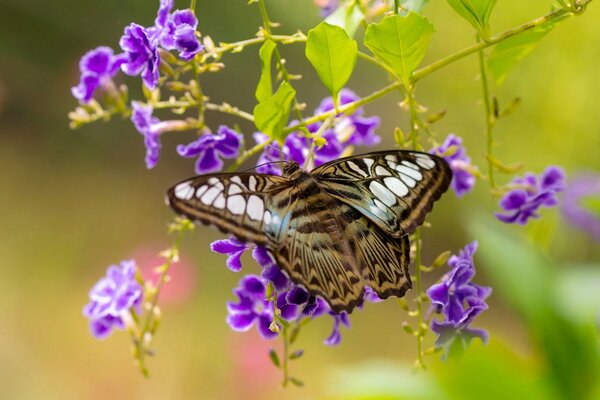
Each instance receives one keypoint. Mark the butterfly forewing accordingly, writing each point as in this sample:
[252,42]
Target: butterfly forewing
[238,204]
[394,189]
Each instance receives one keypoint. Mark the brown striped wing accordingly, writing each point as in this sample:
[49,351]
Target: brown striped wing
[237,204]
[394,189]
[383,260]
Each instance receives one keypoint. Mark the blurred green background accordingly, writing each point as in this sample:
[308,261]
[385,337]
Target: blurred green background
[74,202]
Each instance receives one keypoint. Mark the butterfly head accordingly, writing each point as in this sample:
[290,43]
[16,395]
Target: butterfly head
[291,169]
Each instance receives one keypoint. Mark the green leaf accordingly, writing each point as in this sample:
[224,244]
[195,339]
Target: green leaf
[348,17]
[271,114]
[333,55]
[476,12]
[264,89]
[400,42]
[507,54]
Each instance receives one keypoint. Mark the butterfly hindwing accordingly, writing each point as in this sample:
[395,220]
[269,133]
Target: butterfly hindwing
[394,189]
[237,204]
[383,259]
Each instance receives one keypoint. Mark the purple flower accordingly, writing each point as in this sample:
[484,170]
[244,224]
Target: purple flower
[142,55]
[148,126]
[336,336]
[97,67]
[252,307]
[580,203]
[233,248]
[462,179]
[176,31]
[112,298]
[531,193]
[207,148]
[267,161]
[353,130]
[459,300]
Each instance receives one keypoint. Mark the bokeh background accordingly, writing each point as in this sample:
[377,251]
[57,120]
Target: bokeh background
[74,202]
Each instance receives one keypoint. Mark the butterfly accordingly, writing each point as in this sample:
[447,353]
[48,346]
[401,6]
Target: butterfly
[333,230]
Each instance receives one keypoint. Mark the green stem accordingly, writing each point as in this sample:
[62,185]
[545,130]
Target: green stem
[193,5]
[557,15]
[417,278]
[224,108]
[200,98]
[414,136]
[490,117]
[346,108]
[396,7]
[141,349]
[378,63]
[284,367]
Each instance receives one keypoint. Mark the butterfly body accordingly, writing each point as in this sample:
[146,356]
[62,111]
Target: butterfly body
[334,230]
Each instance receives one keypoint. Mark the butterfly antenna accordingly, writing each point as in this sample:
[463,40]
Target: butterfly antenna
[263,164]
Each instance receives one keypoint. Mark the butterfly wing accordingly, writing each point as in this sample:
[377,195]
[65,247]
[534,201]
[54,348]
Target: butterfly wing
[299,227]
[383,259]
[394,189]
[237,204]
[315,251]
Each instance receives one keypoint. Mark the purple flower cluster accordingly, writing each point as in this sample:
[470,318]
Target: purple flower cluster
[113,298]
[530,194]
[460,301]
[353,130]
[252,306]
[97,68]
[140,46]
[581,203]
[463,179]
[209,148]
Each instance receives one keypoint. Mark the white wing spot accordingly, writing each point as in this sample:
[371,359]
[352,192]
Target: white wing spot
[392,164]
[380,205]
[369,162]
[255,208]
[382,193]
[213,181]
[236,204]
[380,171]
[396,186]
[184,191]
[416,175]
[210,195]
[391,158]
[238,180]
[200,191]
[252,184]
[411,165]
[267,217]
[356,168]
[425,161]
[234,189]
[408,180]
[219,202]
